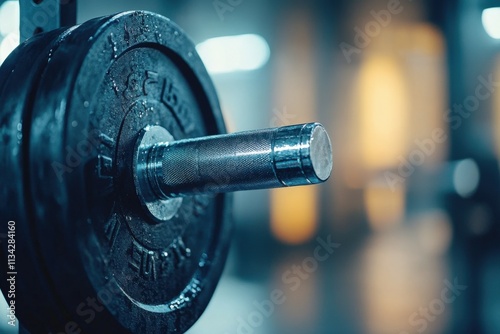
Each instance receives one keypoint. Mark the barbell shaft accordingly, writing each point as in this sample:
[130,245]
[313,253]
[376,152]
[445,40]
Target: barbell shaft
[279,157]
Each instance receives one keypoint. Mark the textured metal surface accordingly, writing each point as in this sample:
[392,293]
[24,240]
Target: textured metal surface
[287,156]
[217,164]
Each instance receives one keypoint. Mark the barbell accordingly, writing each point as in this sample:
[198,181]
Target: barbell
[117,173]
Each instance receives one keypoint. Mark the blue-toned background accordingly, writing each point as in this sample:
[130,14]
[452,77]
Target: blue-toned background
[404,238]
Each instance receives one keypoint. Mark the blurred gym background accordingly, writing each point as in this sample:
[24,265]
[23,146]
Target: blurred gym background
[409,91]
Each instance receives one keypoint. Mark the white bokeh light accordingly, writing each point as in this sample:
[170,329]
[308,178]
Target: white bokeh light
[8,44]
[9,28]
[491,21]
[234,53]
[9,17]
[466,177]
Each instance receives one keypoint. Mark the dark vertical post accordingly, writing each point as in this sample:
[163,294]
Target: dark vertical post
[44,15]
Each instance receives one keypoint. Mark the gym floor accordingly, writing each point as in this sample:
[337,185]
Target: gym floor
[404,237]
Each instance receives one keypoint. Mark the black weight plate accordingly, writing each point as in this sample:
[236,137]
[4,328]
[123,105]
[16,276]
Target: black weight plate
[19,80]
[108,80]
